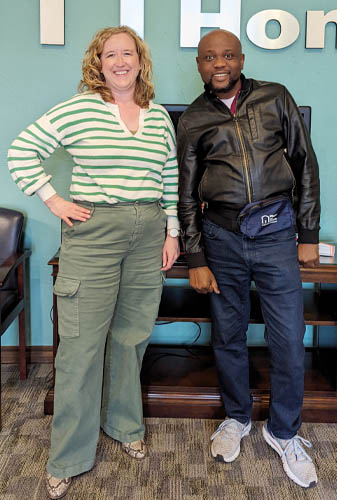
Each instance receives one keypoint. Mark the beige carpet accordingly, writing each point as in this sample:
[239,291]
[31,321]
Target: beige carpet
[179,466]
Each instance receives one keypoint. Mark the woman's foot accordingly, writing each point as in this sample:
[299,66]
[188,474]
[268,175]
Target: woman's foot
[56,487]
[136,449]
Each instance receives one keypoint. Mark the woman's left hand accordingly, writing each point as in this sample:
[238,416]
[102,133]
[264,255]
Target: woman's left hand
[171,252]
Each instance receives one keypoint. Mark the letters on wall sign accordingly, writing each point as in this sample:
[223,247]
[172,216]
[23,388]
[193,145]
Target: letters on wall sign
[192,20]
[316,22]
[132,14]
[52,22]
[256,29]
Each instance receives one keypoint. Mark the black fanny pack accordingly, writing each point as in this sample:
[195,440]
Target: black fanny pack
[266,216]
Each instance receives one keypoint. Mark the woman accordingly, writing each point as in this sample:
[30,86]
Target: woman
[124,191]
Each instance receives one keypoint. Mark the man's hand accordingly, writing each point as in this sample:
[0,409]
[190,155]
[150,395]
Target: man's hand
[308,255]
[202,280]
[67,210]
[171,252]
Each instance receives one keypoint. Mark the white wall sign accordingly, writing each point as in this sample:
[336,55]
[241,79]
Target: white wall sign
[316,22]
[132,14]
[52,22]
[256,29]
[192,20]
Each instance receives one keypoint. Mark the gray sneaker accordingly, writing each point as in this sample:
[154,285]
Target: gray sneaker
[296,462]
[226,439]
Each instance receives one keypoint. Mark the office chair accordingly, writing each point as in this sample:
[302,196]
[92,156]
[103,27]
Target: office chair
[13,260]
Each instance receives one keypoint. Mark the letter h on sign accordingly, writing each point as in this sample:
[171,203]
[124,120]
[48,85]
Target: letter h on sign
[192,19]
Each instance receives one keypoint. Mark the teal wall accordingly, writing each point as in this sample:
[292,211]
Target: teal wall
[33,78]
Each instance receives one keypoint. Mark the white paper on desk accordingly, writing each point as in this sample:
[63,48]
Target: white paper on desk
[323,259]
[326,249]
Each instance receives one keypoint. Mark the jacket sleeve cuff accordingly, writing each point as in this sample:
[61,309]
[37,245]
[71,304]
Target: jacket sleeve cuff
[308,236]
[195,260]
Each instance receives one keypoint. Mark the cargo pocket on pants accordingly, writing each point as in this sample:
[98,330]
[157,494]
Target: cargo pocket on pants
[66,290]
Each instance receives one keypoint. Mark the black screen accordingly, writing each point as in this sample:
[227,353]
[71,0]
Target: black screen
[175,110]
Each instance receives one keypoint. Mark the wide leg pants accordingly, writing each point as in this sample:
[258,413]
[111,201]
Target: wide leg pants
[108,292]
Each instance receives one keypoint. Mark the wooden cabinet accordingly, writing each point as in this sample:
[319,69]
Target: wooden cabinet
[180,381]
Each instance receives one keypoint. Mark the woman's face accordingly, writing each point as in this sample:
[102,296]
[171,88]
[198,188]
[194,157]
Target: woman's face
[120,63]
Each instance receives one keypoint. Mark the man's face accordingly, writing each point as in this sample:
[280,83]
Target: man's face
[220,62]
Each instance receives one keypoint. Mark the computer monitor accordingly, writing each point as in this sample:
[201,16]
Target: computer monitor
[175,110]
[306,114]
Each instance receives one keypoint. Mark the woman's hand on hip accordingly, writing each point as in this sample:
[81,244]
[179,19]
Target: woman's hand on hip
[171,252]
[67,210]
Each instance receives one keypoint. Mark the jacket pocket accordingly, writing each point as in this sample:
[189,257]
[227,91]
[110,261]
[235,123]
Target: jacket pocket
[201,184]
[66,290]
[290,172]
[252,122]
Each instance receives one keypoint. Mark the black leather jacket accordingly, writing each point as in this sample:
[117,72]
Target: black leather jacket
[228,161]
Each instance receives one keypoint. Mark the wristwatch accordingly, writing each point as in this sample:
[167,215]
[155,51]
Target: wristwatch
[174,233]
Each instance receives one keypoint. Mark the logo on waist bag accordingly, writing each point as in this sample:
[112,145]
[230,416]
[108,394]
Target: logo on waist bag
[268,219]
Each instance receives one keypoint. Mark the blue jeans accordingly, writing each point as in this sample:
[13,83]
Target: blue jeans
[271,261]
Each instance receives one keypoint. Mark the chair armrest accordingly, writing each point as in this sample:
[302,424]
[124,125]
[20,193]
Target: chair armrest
[8,265]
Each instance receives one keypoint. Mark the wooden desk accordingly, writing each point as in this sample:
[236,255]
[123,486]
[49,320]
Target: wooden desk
[180,381]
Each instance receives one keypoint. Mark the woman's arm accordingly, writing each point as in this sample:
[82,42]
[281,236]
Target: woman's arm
[171,250]
[25,156]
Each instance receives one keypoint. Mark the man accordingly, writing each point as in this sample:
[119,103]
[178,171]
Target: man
[243,141]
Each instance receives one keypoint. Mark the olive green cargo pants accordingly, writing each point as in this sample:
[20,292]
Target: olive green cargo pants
[108,292]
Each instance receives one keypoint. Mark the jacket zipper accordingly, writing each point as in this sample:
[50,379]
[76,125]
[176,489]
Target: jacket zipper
[244,156]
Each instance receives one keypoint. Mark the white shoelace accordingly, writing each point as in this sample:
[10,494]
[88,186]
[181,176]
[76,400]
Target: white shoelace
[225,423]
[299,452]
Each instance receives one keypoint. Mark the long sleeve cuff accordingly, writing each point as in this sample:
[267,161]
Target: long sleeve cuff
[308,236]
[172,222]
[45,192]
[196,259]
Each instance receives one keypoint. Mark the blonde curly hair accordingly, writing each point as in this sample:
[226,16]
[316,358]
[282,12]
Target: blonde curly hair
[94,81]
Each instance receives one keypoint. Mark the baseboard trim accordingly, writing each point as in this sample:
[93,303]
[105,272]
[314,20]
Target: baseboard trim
[35,354]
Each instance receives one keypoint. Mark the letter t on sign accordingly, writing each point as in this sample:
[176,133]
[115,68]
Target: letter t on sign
[52,22]
[192,19]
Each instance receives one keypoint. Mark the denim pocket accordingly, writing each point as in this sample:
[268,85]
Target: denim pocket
[66,290]
[279,236]
[210,230]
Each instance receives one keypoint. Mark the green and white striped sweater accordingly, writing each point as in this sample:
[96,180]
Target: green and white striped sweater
[111,164]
